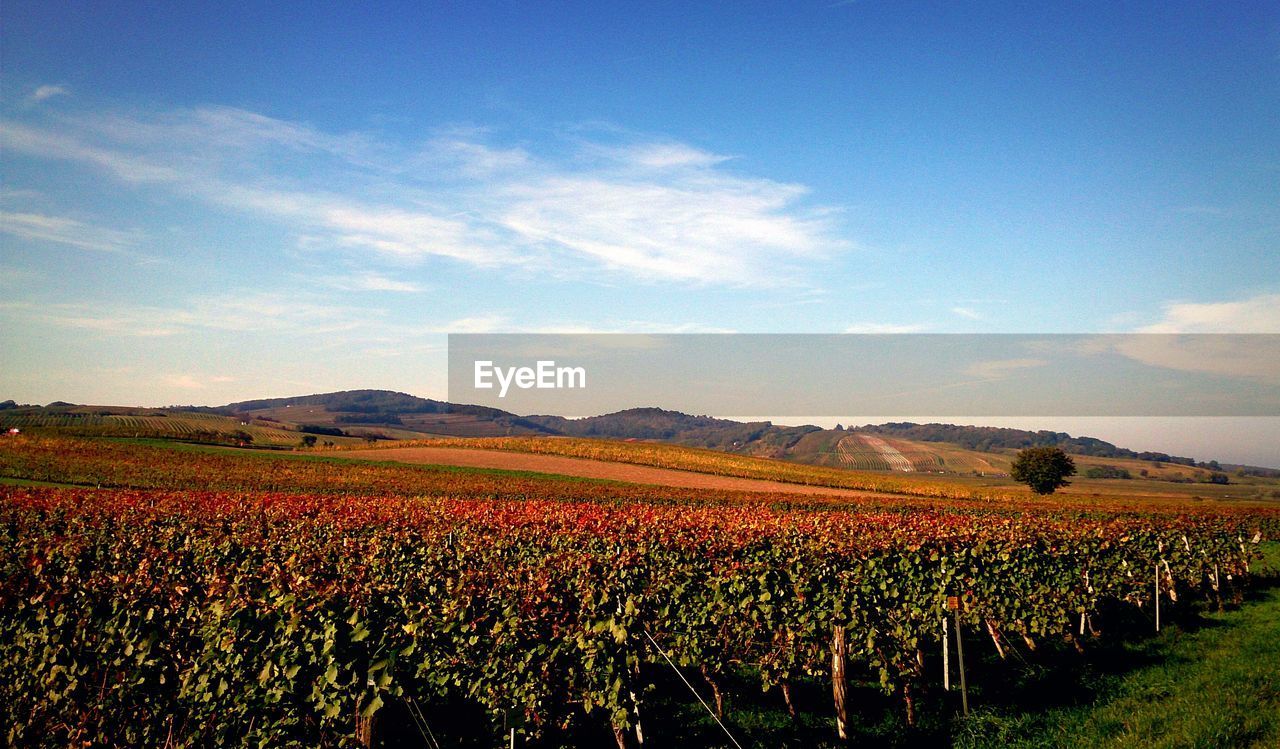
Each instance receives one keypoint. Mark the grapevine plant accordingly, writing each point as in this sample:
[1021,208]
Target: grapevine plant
[152,617]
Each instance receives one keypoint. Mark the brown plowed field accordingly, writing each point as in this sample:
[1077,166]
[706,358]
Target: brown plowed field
[592,469]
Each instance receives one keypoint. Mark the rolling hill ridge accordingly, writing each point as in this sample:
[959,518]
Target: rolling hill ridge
[354,415]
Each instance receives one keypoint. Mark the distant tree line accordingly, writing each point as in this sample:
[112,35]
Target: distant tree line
[213,410]
[316,429]
[1265,473]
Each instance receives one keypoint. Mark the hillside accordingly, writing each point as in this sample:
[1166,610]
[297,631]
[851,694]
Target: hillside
[352,416]
[206,426]
[674,426]
[398,415]
[339,417]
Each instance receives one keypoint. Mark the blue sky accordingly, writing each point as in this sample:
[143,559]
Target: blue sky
[203,204]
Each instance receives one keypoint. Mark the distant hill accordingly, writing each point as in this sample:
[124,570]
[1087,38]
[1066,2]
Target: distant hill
[408,416]
[385,414]
[657,424]
[373,402]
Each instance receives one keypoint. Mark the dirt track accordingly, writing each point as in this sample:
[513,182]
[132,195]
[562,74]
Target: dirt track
[592,469]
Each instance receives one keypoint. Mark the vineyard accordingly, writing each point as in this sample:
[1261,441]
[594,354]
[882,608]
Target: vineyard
[188,426]
[869,452]
[870,477]
[222,599]
[722,464]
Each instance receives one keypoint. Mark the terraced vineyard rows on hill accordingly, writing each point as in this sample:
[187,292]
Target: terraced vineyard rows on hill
[49,420]
[887,454]
[854,452]
[870,452]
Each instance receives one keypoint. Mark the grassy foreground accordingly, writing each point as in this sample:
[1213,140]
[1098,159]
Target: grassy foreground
[1212,684]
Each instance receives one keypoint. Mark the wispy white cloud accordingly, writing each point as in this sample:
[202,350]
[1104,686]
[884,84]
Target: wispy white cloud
[217,136]
[1223,354]
[1228,355]
[966,312]
[262,311]
[47,92]
[474,324]
[369,281]
[468,158]
[696,227]
[668,156]
[1257,314]
[1207,349]
[183,381]
[62,230]
[49,144]
[404,234]
[659,211]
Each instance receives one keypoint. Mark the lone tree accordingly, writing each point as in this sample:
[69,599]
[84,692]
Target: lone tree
[1044,469]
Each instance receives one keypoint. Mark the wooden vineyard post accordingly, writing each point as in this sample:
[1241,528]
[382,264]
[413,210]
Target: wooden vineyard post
[716,693]
[995,639]
[953,603]
[839,682]
[1217,586]
[946,656]
[623,737]
[789,699]
[364,729]
[1157,596]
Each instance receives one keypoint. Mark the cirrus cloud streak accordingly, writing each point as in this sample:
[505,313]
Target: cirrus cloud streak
[658,211]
